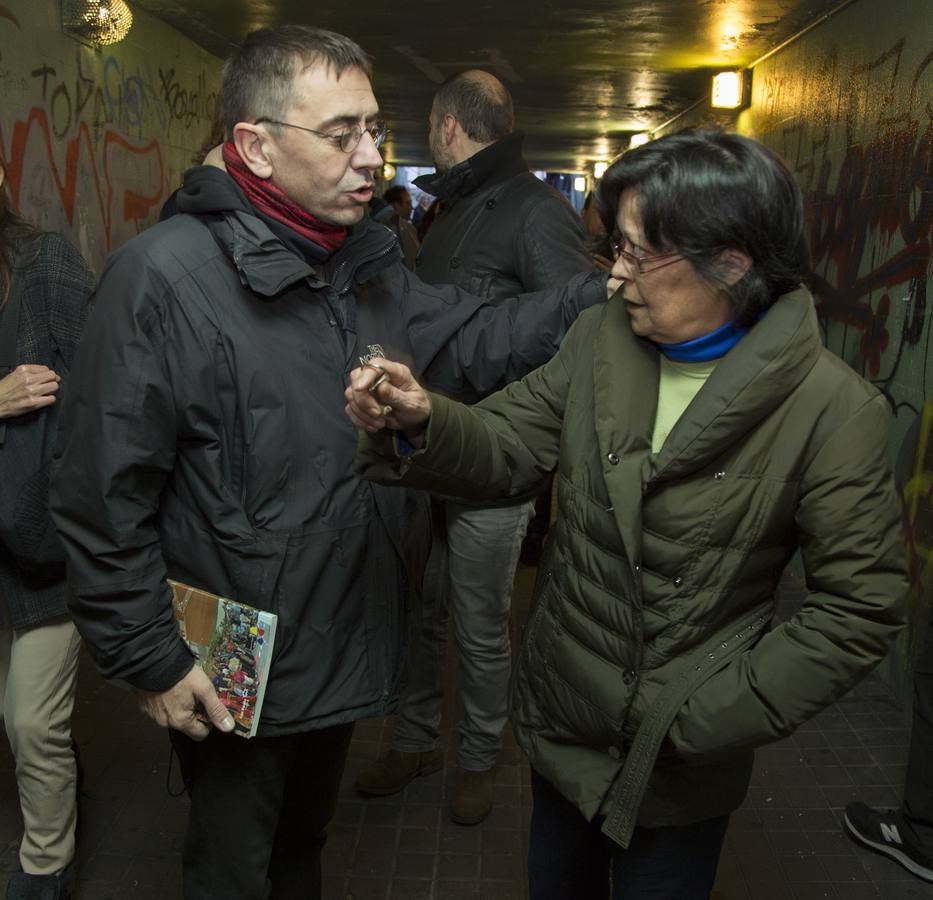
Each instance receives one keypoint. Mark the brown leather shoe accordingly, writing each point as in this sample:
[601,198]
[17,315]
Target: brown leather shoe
[391,773]
[472,798]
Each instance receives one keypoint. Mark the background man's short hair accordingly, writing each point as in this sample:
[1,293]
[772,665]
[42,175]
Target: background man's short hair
[483,110]
[258,75]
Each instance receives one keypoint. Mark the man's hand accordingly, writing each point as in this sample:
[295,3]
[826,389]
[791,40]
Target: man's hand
[384,393]
[27,388]
[191,706]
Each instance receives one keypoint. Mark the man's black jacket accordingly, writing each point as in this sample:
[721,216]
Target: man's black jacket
[206,440]
[500,231]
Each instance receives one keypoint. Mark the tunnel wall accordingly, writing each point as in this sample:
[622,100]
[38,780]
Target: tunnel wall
[95,140]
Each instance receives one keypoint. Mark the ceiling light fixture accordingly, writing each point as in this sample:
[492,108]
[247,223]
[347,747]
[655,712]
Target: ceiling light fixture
[579,184]
[599,169]
[97,22]
[636,140]
[730,90]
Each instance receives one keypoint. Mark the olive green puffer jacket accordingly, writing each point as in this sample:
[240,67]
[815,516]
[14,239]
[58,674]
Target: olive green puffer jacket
[648,672]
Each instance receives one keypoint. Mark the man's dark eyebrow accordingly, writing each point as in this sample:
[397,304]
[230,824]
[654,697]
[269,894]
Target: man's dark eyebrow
[345,120]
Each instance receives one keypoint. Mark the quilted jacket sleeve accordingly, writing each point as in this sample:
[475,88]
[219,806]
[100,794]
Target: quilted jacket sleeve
[505,446]
[853,559]
[117,449]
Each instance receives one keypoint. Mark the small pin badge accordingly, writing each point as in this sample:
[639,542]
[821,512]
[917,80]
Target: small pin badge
[375,350]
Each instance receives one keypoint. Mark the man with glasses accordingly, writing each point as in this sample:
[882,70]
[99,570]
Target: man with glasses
[207,442]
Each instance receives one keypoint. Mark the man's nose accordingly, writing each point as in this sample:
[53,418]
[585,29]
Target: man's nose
[366,155]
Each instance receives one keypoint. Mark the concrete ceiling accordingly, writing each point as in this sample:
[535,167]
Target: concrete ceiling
[584,74]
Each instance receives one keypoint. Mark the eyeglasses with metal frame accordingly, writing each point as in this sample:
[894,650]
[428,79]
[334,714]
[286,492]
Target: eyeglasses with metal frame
[347,141]
[637,262]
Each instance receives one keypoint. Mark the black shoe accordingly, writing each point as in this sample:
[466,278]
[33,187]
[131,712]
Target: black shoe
[882,831]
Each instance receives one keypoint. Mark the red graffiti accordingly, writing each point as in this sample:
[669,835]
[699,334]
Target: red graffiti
[129,204]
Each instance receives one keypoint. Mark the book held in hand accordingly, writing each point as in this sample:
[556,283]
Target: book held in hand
[233,645]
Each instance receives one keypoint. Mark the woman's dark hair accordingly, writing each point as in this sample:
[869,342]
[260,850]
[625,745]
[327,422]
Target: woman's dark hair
[12,229]
[702,192]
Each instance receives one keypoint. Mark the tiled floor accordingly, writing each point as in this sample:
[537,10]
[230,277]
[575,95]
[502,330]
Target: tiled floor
[785,843]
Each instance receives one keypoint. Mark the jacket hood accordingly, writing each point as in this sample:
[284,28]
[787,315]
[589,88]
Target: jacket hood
[266,260]
[498,161]
[207,189]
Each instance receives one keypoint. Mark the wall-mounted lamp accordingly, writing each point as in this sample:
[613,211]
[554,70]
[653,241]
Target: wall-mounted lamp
[579,184]
[731,90]
[636,140]
[599,169]
[388,171]
[96,22]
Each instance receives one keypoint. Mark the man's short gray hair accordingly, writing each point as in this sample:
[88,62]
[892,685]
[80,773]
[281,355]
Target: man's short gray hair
[258,75]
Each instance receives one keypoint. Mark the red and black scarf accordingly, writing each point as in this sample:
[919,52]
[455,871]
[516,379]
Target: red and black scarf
[271,202]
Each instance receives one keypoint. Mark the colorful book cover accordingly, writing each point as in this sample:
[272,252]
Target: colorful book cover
[233,644]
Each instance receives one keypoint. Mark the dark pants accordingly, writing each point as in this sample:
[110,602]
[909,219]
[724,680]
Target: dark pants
[571,859]
[259,812]
[918,785]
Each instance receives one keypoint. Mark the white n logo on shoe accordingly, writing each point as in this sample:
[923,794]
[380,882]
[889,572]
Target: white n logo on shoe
[890,834]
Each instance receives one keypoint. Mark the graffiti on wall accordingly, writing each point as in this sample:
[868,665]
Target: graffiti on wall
[860,140]
[93,144]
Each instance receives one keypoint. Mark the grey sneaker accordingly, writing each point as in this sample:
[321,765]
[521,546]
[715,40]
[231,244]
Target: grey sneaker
[884,832]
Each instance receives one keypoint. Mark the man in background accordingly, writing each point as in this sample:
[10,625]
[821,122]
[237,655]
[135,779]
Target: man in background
[499,231]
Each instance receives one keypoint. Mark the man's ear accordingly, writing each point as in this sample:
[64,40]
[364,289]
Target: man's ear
[733,264]
[252,144]
[450,128]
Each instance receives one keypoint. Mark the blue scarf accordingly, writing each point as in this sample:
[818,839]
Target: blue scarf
[710,346]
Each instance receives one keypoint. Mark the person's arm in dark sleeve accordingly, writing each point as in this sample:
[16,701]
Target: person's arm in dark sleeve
[467,348]
[69,290]
[550,244]
[116,450]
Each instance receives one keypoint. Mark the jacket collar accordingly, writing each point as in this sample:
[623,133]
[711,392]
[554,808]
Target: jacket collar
[492,164]
[266,264]
[752,380]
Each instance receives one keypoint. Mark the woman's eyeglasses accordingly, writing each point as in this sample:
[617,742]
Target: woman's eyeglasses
[638,262]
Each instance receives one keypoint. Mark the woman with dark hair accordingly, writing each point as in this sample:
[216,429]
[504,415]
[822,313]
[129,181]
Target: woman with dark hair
[702,435]
[44,289]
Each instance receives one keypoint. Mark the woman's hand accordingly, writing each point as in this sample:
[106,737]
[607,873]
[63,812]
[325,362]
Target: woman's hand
[27,388]
[384,393]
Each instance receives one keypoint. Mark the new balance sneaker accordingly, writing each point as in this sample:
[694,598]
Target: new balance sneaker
[884,832]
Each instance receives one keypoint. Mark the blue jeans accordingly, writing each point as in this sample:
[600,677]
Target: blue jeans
[471,576]
[571,859]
